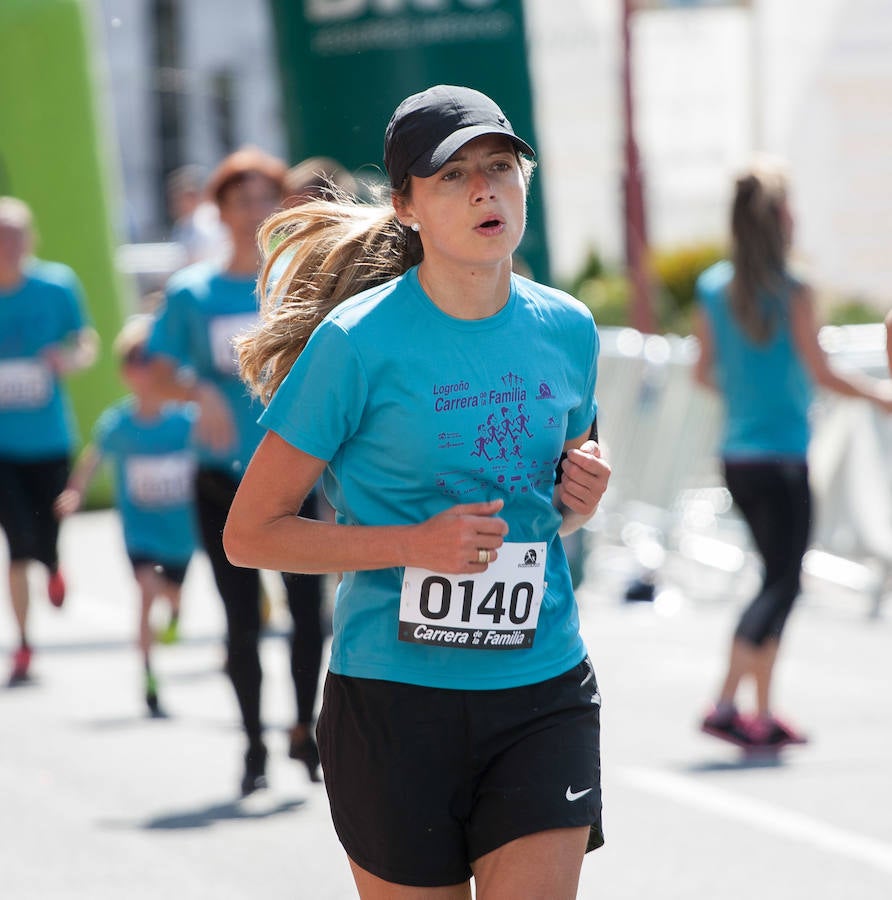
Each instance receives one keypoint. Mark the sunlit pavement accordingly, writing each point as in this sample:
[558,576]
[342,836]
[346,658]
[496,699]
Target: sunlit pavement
[99,801]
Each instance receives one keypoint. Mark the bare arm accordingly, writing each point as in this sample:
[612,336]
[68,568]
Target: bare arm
[889,339]
[75,354]
[703,367]
[584,477]
[70,500]
[264,531]
[849,384]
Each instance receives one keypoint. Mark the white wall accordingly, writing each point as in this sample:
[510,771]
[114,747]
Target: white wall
[217,35]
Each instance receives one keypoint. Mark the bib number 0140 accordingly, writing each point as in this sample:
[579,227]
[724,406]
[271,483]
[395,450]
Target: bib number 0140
[436,600]
[495,610]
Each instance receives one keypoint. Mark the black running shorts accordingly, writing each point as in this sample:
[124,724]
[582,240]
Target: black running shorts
[170,572]
[27,493]
[423,781]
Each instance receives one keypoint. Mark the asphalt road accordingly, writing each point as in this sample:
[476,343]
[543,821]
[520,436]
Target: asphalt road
[97,801]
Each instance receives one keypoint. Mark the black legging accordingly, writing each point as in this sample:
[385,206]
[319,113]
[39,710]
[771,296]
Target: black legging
[775,500]
[240,591]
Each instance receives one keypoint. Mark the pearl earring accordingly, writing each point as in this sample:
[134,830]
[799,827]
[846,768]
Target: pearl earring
[415,227]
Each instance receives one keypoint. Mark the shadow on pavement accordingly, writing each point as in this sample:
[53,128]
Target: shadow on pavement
[205,817]
[111,644]
[744,761]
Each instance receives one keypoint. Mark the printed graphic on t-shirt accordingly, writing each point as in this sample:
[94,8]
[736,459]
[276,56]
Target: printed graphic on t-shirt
[222,330]
[509,419]
[160,481]
[25,384]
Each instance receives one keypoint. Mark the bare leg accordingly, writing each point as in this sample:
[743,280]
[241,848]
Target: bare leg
[148,586]
[542,866]
[171,591]
[757,663]
[18,592]
[371,887]
[742,664]
[765,658]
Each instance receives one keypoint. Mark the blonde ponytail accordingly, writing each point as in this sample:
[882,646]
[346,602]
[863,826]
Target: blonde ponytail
[759,249]
[323,252]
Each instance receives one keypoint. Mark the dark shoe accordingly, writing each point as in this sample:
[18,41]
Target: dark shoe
[254,778]
[728,726]
[152,697]
[303,748]
[56,588]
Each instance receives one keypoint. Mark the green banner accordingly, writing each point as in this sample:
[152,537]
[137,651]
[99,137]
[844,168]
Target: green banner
[53,156]
[346,64]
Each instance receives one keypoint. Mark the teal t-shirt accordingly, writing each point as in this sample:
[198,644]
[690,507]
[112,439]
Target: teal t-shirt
[204,310]
[36,419]
[415,411]
[766,388]
[154,472]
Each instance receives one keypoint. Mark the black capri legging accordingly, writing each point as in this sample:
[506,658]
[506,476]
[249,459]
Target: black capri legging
[776,502]
[240,591]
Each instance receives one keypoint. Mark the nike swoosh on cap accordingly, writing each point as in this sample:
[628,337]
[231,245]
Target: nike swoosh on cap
[575,795]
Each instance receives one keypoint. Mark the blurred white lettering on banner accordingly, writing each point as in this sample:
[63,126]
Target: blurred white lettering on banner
[343,10]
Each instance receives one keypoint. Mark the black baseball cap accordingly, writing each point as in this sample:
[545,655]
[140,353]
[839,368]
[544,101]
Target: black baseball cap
[427,128]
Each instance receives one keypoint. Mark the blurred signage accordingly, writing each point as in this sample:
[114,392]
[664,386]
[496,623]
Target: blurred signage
[687,4]
[346,64]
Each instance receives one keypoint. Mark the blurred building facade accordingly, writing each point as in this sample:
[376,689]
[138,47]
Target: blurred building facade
[810,80]
[185,82]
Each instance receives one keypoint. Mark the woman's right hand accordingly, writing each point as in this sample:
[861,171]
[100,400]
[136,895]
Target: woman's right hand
[450,542]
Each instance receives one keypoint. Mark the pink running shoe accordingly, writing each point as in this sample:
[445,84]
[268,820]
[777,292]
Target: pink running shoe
[21,662]
[56,588]
[727,726]
[773,732]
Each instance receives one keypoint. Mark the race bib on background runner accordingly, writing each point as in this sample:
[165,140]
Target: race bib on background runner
[495,610]
[25,384]
[222,330]
[160,481]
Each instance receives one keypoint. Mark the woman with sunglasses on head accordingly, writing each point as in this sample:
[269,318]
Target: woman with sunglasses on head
[206,305]
[448,404]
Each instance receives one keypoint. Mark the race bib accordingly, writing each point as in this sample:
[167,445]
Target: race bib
[25,384]
[221,331]
[160,481]
[495,610]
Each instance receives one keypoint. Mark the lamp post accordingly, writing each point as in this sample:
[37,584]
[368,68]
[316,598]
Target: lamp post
[635,222]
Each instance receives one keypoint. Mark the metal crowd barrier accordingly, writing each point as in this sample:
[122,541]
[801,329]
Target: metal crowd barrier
[660,431]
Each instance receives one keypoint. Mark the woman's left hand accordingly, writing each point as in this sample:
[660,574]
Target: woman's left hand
[584,479]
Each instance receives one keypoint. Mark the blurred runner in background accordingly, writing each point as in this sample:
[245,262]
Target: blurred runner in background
[759,348]
[206,306]
[45,334]
[150,440]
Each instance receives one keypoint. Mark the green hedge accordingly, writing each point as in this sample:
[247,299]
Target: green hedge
[606,290]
